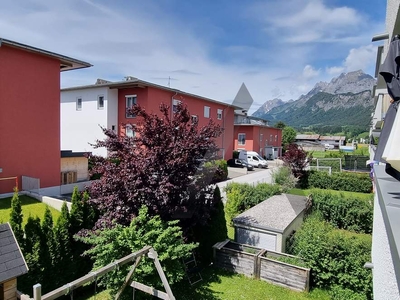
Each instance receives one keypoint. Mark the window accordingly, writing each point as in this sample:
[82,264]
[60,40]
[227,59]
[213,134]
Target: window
[129,131]
[100,102]
[219,114]
[130,102]
[261,137]
[195,119]
[206,111]
[175,104]
[241,139]
[270,138]
[276,138]
[78,103]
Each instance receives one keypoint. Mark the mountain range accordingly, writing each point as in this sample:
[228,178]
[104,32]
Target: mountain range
[345,100]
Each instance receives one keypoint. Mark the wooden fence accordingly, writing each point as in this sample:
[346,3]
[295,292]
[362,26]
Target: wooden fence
[261,264]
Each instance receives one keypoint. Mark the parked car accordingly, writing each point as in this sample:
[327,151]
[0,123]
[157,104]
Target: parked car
[238,163]
[253,158]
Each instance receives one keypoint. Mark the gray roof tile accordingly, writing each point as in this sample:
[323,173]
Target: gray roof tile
[275,213]
[12,262]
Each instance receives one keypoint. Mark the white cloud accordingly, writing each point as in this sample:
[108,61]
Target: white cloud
[334,70]
[309,72]
[304,21]
[361,58]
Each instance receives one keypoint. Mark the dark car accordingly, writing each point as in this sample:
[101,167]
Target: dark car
[238,163]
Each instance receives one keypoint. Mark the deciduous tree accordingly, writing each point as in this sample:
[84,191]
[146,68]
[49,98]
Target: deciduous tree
[288,136]
[296,159]
[159,167]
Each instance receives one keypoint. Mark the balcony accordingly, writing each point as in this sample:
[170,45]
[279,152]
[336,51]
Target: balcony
[386,233]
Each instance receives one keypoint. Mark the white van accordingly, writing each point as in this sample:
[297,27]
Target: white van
[253,158]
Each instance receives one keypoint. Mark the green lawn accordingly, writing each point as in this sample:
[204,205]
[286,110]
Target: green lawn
[218,284]
[30,207]
[306,192]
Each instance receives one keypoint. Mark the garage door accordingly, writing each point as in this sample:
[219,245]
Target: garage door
[256,238]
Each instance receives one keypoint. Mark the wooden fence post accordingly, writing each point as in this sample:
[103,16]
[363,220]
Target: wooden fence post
[257,263]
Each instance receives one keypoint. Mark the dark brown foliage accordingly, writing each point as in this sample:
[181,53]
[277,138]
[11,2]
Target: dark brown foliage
[159,167]
[296,159]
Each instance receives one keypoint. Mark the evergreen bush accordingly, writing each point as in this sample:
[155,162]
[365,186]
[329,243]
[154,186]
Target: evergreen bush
[284,177]
[219,170]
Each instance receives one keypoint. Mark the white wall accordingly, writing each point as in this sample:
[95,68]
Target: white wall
[81,127]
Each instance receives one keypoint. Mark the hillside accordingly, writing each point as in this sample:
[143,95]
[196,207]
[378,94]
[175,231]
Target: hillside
[345,100]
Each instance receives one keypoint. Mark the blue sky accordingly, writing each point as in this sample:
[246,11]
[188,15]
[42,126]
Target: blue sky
[277,48]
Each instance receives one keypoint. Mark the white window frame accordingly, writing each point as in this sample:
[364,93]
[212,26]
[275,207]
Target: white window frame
[242,141]
[127,97]
[98,102]
[276,137]
[194,118]
[207,111]
[129,132]
[175,104]
[79,105]
[271,139]
[219,114]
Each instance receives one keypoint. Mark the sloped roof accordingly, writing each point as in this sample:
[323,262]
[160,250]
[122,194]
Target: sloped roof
[332,138]
[133,82]
[12,262]
[307,137]
[66,63]
[274,214]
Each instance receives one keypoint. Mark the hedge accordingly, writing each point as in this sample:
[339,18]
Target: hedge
[351,182]
[344,212]
[242,196]
[336,257]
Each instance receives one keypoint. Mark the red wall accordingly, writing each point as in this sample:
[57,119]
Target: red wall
[257,137]
[151,97]
[29,117]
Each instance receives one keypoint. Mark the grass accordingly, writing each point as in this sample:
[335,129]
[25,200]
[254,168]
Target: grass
[218,284]
[30,207]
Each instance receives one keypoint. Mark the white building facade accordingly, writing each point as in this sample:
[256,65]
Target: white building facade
[83,112]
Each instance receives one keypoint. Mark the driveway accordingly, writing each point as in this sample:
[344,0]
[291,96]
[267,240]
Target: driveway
[251,177]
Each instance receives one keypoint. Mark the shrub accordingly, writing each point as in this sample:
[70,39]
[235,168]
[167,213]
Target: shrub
[235,154]
[220,170]
[344,212]
[339,293]
[284,177]
[336,257]
[242,196]
[351,182]
[296,159]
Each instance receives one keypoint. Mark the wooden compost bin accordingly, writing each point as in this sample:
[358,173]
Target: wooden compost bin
[261,264]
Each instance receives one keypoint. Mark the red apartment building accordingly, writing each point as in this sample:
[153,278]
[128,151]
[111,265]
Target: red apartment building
[30,113]
[254,134]
[116,97]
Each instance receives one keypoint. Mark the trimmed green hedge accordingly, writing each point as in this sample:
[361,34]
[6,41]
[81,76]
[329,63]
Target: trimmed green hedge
[344,212]
[242,196]
[336,257]
[351,182]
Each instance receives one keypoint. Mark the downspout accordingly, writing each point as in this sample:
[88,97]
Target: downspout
[223,132]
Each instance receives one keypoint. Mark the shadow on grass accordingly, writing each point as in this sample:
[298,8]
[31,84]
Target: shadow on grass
[25,200]
[201,290]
